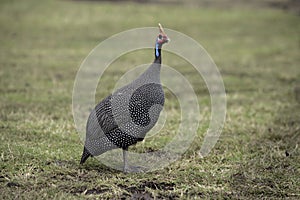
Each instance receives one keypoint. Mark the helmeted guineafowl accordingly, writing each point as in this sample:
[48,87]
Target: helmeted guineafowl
[124,117]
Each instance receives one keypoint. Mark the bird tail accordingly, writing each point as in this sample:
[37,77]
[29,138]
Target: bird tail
[85,155]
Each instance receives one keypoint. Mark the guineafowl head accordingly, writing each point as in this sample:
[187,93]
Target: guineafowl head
[162,37]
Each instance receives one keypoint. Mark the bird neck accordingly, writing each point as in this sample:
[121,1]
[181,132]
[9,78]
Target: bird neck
[157,53]
[152,74]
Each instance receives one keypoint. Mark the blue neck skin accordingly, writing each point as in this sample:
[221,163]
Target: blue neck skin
[157,52]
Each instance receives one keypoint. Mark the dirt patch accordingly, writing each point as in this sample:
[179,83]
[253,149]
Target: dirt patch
[290,5]
[155,186]
[95,191]
[297,93]
[13,184]
[140,191]
[87,191]
[140,195]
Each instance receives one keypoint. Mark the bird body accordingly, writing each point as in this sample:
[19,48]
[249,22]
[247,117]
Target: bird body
[123,118]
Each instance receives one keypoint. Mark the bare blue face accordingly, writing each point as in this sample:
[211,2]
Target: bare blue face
[162,38]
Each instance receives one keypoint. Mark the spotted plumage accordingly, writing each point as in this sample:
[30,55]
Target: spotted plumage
[124,117]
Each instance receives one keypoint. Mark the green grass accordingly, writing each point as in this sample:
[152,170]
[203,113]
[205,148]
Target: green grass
[256,50]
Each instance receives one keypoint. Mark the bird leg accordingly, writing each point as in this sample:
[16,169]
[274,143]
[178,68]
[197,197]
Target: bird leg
[125,168]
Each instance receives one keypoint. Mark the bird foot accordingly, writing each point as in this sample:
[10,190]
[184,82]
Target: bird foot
[134,169]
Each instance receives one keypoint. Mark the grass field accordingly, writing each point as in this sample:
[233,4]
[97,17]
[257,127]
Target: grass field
[258,54]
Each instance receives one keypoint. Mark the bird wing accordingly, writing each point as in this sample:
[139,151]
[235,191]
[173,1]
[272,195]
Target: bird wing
[101,120]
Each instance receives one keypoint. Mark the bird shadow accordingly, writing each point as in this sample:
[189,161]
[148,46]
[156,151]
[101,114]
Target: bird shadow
[91,165]
[94,165]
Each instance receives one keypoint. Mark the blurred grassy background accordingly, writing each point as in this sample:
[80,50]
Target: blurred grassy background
[256,47]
